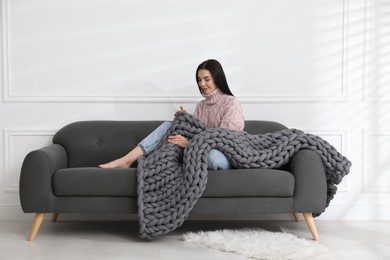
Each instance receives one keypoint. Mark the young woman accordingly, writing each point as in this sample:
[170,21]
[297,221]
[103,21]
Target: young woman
[218,109]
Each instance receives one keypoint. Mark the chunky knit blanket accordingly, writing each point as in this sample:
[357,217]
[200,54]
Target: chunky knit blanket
[171,180]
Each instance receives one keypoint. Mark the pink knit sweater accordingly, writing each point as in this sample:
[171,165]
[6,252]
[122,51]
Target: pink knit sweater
[219,110]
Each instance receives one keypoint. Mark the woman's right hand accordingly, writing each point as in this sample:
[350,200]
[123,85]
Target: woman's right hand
[178,140]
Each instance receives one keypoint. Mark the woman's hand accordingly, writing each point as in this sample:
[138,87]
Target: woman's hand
[180,110]
[178,140]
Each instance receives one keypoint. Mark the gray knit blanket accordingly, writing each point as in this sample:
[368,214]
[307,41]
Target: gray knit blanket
[171,180]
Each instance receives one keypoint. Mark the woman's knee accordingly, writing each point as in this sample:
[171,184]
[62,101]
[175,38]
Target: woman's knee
[166,125]
[217,161]
[150,143]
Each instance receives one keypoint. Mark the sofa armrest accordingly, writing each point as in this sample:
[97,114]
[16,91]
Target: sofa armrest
[310,182]
[35,186]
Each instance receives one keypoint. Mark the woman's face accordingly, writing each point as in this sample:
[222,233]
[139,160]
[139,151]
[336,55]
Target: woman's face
[206,81]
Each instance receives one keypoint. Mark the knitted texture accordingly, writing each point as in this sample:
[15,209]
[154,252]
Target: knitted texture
[170,180]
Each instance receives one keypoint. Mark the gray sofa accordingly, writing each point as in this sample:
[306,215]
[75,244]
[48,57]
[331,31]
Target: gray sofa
[64,178]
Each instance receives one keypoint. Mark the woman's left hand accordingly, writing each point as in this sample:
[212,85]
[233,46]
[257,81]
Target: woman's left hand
[179,140]
[180,110]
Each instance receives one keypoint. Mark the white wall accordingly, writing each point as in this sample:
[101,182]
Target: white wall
[321,66]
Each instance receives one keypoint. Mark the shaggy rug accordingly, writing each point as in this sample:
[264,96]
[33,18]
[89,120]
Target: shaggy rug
[260,244]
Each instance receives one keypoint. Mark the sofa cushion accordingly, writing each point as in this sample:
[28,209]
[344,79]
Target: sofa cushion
[91,181]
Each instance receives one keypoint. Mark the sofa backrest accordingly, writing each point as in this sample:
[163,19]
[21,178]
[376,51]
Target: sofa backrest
[262,127]
[90,143]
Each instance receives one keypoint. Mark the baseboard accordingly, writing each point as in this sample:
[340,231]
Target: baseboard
[356,212]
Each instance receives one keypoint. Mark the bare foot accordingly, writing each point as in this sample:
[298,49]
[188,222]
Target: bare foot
[125,161]
[118,163]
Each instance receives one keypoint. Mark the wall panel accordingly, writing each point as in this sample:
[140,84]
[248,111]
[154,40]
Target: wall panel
[17,144]
[377,52]
[116,52]
[376,159]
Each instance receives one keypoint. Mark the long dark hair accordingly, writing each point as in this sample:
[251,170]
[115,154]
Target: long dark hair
[217,73]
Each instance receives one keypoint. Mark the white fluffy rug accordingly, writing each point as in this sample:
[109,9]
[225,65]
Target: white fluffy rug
[260,244]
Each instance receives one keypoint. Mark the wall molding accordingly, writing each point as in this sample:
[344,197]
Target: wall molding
[366,169]
[4,59]
[164,99]
[342,134]
[367,47]
[11,185]
[9,97]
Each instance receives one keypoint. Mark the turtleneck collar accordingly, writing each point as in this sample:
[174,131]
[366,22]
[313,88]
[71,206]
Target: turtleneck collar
[213,97]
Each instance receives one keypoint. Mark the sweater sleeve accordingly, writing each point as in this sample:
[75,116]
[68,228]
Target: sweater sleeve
[233,117]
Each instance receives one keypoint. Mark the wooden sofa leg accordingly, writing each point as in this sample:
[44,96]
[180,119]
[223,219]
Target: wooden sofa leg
[37,223]
[54,217]
[296,217]
[312,226]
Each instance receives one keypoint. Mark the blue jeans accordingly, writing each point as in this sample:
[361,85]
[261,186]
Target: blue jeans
[216,159]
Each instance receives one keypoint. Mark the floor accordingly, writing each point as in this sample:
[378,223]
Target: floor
[75,240]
